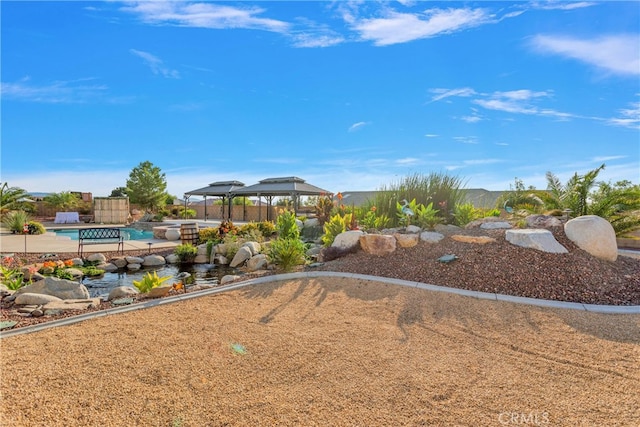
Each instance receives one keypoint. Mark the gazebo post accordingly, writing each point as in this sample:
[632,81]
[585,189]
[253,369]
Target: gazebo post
[205,208]
[259,207]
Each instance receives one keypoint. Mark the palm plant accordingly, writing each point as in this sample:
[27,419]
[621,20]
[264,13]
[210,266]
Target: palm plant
[64,200]
[10,196]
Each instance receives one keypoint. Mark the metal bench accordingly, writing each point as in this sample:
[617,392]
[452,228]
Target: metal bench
[95,236]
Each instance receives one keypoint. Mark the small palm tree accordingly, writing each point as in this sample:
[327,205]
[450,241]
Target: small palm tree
[10,196]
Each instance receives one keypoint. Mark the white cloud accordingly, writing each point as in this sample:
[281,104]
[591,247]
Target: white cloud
[311,39]
[617,54]
[431,135]
[466,139]
[558,5]
[357,126]
[156,64]
[205,15]
[58,92]
[446,93]
[471,119]
[629,117]
[397,27]
[607,158]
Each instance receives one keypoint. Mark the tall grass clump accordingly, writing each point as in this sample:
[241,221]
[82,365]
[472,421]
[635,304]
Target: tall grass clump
[443,190]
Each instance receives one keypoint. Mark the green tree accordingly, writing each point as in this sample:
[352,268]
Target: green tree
[147,186]
[65,200]
[119,192]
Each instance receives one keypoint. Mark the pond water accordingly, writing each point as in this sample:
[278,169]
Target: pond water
[209,274]
[127,233]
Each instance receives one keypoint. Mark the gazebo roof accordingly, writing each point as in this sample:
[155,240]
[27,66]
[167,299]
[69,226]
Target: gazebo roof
[220,189]
[286,186]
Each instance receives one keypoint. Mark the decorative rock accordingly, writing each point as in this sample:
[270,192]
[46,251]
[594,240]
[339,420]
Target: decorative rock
[497,225]
[159,291]
[75,273]
[77,261]
[413,229]
[119,262]
[153,260]
[378,244]
[253,246]
[109,267]
[348,239]
[473,239]
[594,235]
[96,257]
[431,236]
[134,266]
[221,249]
[37,313]
[201,250]
[172,234]
[220,259]
[61,288]
[7,324]
[228,278]
[538,239]
[172,259]
[542,221]
[201,259]
[257,262]
[36,299]
[446,228]
[241,256]
[407,240]
[71,305]
[134,260]
[122,292]
[477,223]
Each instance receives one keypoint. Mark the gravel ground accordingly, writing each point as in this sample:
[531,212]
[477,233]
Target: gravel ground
[327,352]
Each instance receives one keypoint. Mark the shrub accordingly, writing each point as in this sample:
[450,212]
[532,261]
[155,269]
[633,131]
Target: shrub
[232,243]
[426,216]
[209,234]
[36,228]
[227,227]
[465,213]
[149,281]
[492,212]
[91,271]
[251,231]
[15,221]
[186,252]
[286,226]
[287,253]
[12,276]
[337,225]
[267,228]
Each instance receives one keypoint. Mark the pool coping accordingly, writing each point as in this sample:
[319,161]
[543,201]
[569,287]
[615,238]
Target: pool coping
[592,308]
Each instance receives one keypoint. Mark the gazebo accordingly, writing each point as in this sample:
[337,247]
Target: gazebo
[221,189]
[292,186]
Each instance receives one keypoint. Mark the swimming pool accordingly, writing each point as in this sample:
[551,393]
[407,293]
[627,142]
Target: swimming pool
[127,233]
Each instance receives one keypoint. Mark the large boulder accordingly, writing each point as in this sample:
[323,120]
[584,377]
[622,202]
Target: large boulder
[153,260]
[257,262]
[35,299]
[61,288]
[594,235]
[538,239]
[348,239]
[243,255]
[378,244]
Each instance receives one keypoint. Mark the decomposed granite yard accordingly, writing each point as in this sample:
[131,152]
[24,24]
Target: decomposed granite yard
[328,352]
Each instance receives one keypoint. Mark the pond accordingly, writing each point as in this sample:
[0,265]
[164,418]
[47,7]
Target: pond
[201,274]
[127,233]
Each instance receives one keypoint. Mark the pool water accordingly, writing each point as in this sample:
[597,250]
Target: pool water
[127,233]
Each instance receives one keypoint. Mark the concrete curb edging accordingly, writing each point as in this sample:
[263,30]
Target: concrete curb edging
[593,308]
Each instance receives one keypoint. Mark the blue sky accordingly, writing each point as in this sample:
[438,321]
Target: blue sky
[346,95]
